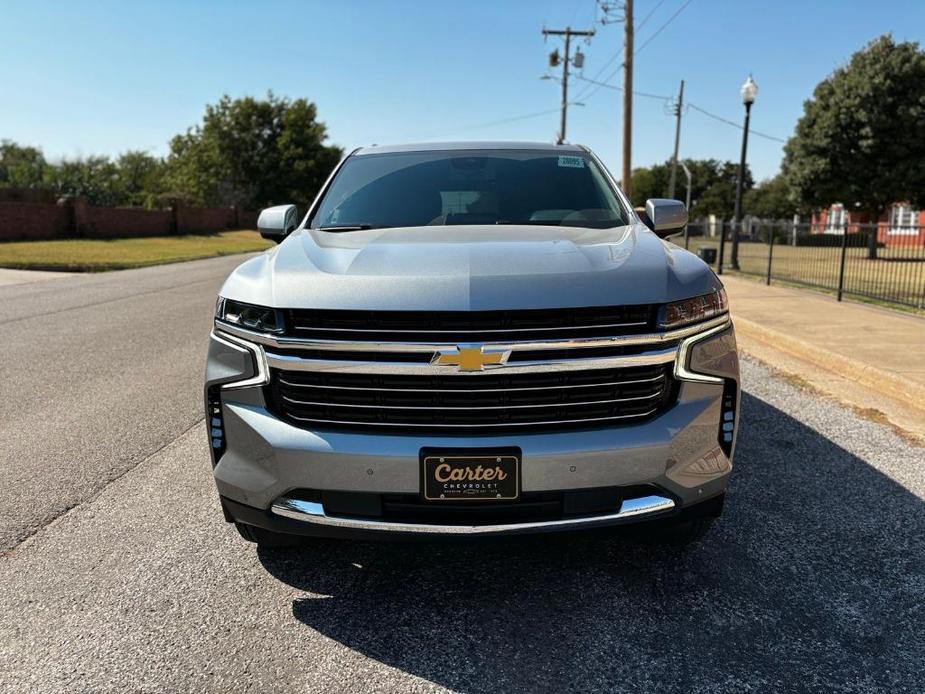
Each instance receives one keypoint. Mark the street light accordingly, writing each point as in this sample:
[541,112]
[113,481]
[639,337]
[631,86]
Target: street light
[749,92]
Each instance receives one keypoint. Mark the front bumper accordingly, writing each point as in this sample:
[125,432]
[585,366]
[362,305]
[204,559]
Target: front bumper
[264,461]
[311,522]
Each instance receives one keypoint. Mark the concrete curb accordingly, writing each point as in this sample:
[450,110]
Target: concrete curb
[878,380]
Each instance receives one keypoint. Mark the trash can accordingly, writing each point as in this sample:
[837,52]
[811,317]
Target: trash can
[707,254]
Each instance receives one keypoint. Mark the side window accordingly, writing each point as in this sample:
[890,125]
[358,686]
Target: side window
[835,222]
[903,220]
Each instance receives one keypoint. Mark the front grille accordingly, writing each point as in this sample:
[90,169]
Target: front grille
[463,404]
[471,326]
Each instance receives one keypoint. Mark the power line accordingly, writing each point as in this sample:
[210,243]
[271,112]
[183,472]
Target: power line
[651,12]
[488,124]
[734,124]
[660,97]
[588,92]
[512,119]
[662,27]
[605,8]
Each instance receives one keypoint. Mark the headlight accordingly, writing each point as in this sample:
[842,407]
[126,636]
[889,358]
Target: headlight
[700,308]
[260,318]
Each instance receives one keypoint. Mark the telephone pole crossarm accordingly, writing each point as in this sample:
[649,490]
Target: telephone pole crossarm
[568,33]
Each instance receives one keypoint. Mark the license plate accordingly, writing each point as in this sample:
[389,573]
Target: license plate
[471,477]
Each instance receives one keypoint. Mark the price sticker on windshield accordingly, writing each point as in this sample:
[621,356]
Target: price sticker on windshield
[571,162]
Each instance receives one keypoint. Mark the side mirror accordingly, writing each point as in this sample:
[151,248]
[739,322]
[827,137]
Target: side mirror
[275,223]
[665,217]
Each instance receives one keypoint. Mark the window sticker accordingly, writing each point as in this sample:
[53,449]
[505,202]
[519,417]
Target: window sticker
[571,162]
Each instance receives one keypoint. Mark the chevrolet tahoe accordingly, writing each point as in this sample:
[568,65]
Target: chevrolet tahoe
[471,339]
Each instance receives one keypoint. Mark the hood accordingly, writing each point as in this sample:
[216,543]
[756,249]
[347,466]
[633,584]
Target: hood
[463,268]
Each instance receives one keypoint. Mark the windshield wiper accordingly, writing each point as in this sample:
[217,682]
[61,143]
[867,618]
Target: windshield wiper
[350,227]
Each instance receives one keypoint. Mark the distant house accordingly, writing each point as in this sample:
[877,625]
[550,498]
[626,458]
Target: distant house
[901,225]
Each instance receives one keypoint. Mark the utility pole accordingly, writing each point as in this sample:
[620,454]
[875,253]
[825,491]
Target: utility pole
[610,11]
[554,60]
[677,141]
[628,98]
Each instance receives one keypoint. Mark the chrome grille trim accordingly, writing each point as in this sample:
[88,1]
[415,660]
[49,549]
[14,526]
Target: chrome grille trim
[475,390]
[291,363]
[573,328]
[472,407]
[653,339]
[641,415]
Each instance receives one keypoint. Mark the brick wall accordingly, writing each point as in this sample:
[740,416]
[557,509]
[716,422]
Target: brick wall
[112,222]
[75,218]
[200,219]
[26,220]
[247,219]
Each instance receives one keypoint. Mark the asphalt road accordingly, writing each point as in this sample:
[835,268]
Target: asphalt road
[814,579]
[97,373]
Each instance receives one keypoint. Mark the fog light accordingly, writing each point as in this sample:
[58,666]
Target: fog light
[713,463]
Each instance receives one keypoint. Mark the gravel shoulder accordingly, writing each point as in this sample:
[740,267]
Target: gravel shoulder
[812,581]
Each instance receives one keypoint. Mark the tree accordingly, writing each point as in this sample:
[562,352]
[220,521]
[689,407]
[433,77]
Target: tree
[94,178]
[712,185]
[861,139]
[252,153]
[770,199]
[140,179]
[649,182]
[720,195]
[21,167]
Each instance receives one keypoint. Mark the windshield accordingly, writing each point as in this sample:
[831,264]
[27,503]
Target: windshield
[469,187]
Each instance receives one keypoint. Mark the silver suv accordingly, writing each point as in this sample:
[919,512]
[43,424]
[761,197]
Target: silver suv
[471,339]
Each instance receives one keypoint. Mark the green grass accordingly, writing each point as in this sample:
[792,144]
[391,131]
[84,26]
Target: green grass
[894,280]
[98,255]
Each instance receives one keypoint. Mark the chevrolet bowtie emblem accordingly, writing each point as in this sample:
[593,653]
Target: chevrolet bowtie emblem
[470,358]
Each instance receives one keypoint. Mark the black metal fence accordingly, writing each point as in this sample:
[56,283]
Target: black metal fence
[837,259]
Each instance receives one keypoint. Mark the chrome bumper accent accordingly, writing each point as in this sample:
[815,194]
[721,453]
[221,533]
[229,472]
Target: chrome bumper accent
[313,512]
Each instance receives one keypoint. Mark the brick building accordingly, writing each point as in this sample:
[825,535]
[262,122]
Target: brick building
[901,225]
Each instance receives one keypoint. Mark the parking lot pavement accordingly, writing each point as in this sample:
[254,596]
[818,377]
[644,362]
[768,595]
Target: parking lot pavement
[812,581]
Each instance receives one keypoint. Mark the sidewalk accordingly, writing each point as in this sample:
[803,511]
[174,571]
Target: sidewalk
[8,276]
[837,347]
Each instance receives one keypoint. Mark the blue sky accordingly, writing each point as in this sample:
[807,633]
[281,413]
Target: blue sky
[104,77]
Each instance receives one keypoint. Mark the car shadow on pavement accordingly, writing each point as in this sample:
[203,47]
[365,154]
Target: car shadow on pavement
[812,579]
